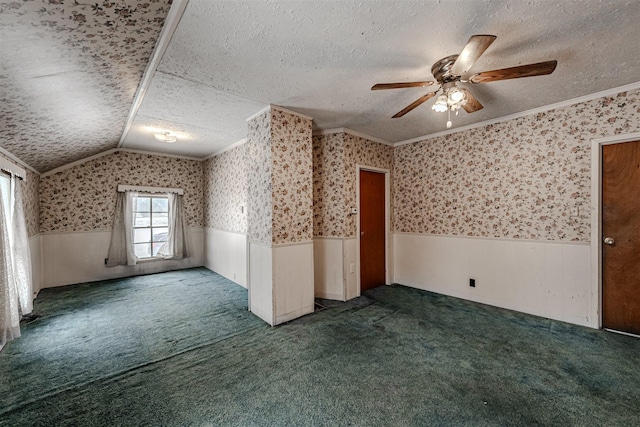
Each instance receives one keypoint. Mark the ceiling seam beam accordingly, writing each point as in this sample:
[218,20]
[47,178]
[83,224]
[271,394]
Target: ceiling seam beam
[171,23]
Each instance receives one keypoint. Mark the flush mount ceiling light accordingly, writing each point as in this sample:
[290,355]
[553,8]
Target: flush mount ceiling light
[167,137]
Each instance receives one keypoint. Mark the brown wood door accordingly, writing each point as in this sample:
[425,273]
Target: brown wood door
[372,230]
[621,223]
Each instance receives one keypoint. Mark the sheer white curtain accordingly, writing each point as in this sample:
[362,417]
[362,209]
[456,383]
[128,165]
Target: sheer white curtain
[177,240]
[121,247]
[16,294]
[9,305]
[21,252]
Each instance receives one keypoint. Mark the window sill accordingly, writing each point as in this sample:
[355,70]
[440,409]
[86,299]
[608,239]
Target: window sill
[152,259]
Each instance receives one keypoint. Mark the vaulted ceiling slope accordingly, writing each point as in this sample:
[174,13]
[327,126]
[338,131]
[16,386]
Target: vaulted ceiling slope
[70,70]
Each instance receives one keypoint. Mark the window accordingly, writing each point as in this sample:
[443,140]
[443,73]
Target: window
[150,224]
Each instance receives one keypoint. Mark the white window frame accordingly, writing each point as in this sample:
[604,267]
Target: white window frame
[150,227]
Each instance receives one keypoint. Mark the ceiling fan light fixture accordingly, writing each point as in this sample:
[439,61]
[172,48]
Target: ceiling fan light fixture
[456,95]
[167,137]
[441,105]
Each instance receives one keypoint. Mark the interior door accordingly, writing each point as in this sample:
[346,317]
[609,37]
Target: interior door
[621,237]
[372,230]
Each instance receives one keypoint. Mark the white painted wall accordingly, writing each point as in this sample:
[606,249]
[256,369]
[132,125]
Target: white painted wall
[69,258]
[351,249]
[293,281]
[261,281]
[542,278]
[328,268]
[335,267]
[281,281]
[225,252]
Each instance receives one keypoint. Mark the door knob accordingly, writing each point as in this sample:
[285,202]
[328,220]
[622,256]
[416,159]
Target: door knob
[362,234]
[609,241]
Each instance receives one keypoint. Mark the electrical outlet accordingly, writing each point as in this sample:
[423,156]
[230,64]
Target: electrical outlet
[472,283]
[234,276]
[106,260]
[352,268]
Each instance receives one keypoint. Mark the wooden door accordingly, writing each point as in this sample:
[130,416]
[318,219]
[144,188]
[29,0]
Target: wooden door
[621,237]
[372,230]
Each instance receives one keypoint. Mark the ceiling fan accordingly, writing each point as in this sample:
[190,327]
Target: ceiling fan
[449,71]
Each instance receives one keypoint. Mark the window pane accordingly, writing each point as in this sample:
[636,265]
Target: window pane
[160,219]
[157,246]
[143,204]
[141,235]
[160,234]
[142,220]
[160,204]
[142,250]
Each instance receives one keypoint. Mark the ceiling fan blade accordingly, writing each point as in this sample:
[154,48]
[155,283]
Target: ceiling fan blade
[471,52]
[380,86]
[472,105]
[529,70]
[414,104]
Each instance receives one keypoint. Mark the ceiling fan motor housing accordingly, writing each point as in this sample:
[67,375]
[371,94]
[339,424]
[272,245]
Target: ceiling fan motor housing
[441,70]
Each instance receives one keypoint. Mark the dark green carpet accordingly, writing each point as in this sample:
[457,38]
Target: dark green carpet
[180,349]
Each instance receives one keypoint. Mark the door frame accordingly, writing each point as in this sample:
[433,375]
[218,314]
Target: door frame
[596,217]
[387,222]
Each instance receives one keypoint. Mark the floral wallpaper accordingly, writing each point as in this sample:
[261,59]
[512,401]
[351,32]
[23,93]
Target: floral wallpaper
[367,153]
[279,163]
[330,210]
[31,200]
[82,198]
[31,193]
[292,178]
[225,191]
[517,179]
[70,71]
[258,152]
[335,157]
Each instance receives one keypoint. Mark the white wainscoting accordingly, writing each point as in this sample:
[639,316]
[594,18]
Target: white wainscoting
[293,281]
[351,248]
[261,281]
[225,252]
[328,268]
[542,278]
[69,258]
[35,250]
[334,267]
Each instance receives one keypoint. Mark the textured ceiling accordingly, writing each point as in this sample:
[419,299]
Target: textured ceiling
[69,72]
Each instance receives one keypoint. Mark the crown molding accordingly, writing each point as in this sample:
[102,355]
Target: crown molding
[113,151]
[225,149]
[352,132]
[286,110]
[17,161]
[264,110]
[543,109]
